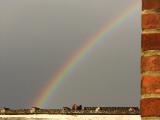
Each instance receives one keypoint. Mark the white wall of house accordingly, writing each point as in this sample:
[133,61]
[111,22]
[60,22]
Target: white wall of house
[70,117]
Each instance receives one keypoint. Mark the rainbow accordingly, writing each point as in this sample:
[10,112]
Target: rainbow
[75,59]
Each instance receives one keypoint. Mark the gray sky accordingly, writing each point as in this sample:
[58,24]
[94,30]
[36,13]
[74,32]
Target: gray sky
[37,37]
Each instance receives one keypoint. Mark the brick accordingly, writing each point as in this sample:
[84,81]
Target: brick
[151,63]
[150,4]
[150,107]
[150,84]
[151,21]
[151,41]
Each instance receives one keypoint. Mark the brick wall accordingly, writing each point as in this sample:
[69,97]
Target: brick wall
[150,60]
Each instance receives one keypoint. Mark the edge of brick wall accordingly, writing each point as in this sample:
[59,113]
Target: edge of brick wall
[150,4]
[150,41]
[150,85]
[151,63]
[151,20]
[150,107]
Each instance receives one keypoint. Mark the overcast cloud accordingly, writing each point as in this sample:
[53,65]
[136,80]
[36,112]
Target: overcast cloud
[37,37]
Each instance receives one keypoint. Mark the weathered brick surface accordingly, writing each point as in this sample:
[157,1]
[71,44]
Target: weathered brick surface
[150,84]
[150,4]
[150,60]
[150,21]
[150,107]
[151,63]
[151,41]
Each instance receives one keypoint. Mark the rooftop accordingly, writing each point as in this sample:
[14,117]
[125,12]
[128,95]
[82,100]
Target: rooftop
[74,111]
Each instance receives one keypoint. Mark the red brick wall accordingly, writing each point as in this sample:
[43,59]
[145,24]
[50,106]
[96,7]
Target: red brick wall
[150,60]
